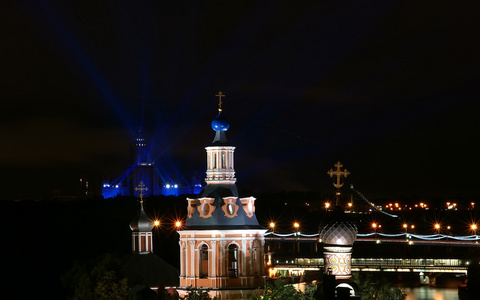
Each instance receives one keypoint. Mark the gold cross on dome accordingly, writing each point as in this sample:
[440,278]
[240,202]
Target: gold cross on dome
[220,95]
[141,187]
[338,173]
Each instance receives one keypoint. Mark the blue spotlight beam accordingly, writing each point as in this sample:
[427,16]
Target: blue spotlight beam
[75,47]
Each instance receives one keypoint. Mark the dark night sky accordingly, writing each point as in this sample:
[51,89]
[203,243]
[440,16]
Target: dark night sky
[388,88]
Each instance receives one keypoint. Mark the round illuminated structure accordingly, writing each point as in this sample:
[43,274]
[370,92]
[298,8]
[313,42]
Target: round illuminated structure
[220,123]
[338,235]
[142,222]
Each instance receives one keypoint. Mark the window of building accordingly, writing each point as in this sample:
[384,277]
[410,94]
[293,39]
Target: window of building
[203,261]
[233,261]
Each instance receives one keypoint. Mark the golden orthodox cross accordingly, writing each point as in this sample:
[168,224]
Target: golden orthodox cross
[220,95]
[338,173]
[141,187]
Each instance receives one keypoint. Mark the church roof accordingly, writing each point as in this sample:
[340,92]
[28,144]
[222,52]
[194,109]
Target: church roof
[220,125]
[338,229]
[219,218]
[150,270]
[141,222]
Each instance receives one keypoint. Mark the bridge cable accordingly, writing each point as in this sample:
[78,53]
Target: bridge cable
[370,203]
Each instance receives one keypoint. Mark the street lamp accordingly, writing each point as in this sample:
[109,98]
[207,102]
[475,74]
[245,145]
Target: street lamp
[374,226]
[327,205]
[474,228]
[272,226]
[178,224]
[437,228]
[296,225]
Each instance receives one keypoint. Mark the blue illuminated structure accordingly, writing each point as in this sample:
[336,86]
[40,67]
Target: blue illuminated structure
[145,171]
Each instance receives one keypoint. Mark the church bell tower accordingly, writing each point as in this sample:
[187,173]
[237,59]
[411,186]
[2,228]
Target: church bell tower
[221,244]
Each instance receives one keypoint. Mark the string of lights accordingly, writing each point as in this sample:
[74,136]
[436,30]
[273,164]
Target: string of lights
[429,237]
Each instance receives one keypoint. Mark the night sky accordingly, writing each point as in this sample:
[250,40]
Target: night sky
[388,88]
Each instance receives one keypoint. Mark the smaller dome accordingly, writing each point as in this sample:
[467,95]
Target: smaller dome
[141,222]
[220,123]
[339,233]
[339,230]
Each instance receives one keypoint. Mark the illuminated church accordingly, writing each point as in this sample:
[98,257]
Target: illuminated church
[221,244]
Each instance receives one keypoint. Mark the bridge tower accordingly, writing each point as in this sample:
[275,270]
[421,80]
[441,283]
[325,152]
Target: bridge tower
[221,244]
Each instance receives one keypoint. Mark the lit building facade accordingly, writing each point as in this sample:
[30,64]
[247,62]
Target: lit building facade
[221,244]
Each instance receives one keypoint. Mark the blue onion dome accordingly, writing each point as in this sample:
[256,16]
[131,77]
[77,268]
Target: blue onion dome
[220,123]
[339,229]
[142,222]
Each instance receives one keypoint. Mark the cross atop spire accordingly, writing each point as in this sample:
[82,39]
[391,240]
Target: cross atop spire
[220,95]
[141,187]
[338,173]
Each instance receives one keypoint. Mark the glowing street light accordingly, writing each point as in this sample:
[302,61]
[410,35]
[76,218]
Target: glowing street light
[272,225]
[178,224]
[296,225]
[156,223]
[327,205]
[374,226]
[474,228]
[437,227]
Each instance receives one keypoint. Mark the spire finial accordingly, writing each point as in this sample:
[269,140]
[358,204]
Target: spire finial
[339,174]
[220,95]
[141,187]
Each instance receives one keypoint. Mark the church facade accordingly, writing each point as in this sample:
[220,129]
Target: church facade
[221,244]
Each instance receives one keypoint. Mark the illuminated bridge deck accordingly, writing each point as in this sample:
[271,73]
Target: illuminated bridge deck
[425,265]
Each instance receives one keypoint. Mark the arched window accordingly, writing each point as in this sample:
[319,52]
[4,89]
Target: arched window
[203,270]
[256,258]
[214,160]
[233,261]
[223,160]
